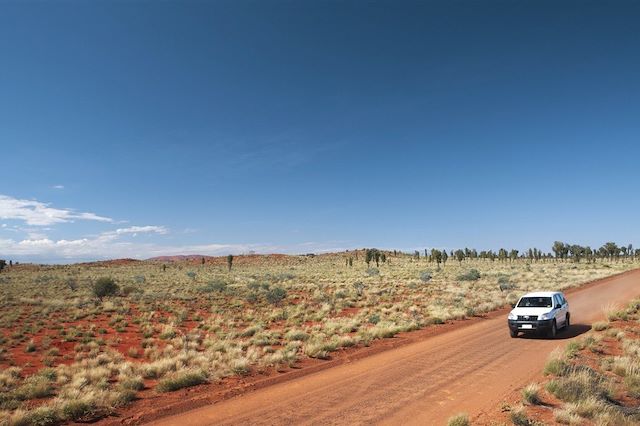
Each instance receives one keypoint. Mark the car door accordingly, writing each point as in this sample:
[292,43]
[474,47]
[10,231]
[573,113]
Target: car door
[565,307]
[558,311]
[561,313]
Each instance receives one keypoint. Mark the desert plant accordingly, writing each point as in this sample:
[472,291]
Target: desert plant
[461,419]
[471,275]
[530,394]
[181,380]
[600,325]
[104,287]
[276,295]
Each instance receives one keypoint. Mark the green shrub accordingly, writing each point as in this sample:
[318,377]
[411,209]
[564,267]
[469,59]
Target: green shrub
[133,383]
[181,380]
[217,285]
[471,275]
[556,367]
[276,295]
[580,384]
[41,416]
[76,410]
[292,335]
[374,319]
[104,287]
[34,387]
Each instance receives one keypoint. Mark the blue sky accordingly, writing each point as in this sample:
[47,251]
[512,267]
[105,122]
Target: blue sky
[144,128]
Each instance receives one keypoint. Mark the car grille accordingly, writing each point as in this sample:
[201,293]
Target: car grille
[527,318]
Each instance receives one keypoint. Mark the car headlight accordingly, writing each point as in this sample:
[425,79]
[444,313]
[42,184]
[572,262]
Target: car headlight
[546,316]
[512,316]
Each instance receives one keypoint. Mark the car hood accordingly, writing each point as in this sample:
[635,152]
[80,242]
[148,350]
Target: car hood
[530,311]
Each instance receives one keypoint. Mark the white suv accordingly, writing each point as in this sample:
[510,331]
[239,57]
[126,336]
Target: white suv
[543,312]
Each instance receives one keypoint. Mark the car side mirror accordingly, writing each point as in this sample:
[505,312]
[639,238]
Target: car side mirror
[558,306]
[513,305]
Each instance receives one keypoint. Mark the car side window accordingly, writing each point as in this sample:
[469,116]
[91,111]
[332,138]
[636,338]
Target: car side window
[556,298]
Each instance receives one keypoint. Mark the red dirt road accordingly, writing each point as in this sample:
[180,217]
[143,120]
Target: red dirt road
[469,369]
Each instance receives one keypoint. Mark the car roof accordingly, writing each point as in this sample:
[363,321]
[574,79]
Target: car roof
[542,294]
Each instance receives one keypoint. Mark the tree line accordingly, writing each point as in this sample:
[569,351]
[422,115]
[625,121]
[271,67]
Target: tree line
[560,251]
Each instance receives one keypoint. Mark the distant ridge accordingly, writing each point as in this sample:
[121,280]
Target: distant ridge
[199,257]
[124,261]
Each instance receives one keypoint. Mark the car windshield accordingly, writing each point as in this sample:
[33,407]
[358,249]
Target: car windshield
[535,302]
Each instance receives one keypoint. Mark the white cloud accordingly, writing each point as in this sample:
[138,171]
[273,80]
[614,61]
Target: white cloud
[58,187]
[108,246]
[36,213]
[142,230]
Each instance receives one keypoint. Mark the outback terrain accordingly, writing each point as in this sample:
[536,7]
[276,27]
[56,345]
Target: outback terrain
[121,340]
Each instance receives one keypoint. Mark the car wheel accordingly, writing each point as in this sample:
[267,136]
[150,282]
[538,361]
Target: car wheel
[567,323]
[513,333]
[554,329]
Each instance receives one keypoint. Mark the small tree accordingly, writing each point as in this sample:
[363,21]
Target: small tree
[459,256]
[502,254]
[445,256]
[3,263]
[230,262]
[202,261]
[437,256]
[104,287]
[368,256]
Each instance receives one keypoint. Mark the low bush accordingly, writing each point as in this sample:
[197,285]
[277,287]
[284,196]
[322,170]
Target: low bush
[276,295]
[215,286]
[461,419]
[600,325]
[425,276]
[530,394]
[181,380]
[471,275]
[580,384]
[76,410]
[104,287]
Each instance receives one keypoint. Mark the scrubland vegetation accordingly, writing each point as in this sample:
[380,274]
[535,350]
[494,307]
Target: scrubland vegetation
[79,341]
[595,380]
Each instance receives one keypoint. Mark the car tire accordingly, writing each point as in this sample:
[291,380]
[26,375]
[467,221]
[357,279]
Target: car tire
[554,329]
[513,333]
[567,322]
